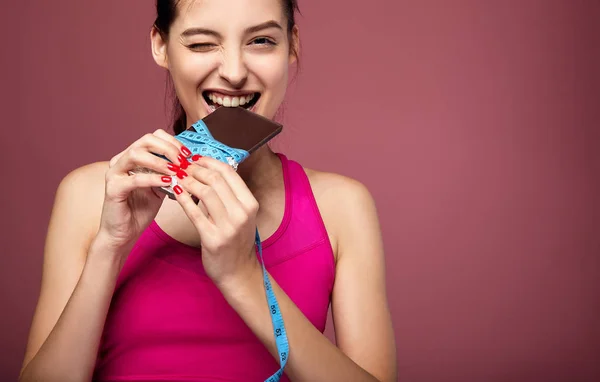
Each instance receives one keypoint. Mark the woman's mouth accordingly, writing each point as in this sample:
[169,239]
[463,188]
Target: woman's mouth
[215,100]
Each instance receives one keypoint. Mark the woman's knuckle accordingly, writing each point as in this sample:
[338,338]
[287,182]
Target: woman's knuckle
[241,218]
[204,192]
[140,142]
[110,187]
[220,243]
[196,215]
[134,155]
[252,206]
[110,195]
[221,167]
[229,233]
[109,176]
[213,177]
[138,181]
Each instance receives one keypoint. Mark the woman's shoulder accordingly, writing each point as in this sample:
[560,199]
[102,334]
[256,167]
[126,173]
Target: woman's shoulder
[80,194]
[345,204]
[88,178]
[336,188]
[85,185]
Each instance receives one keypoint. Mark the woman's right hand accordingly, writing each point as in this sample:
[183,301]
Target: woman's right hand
[131,202]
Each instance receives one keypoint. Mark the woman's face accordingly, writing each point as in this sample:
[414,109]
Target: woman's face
[227,53]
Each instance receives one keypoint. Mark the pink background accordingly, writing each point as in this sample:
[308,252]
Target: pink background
[475,124]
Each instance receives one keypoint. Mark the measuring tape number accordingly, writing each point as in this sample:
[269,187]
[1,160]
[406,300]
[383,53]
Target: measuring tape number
[283,347]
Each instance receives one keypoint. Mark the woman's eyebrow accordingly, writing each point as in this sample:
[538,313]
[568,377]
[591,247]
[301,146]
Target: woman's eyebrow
[204,31]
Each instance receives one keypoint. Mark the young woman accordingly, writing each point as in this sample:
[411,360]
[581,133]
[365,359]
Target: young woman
[140,287]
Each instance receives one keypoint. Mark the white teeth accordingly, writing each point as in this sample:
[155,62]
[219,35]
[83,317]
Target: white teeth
[228,101]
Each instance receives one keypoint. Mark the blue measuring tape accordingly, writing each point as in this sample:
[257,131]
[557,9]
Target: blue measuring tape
[283,347]
[202,142]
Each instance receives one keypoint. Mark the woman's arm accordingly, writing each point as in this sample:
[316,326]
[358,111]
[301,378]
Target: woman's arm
[77,284]
[362,319]
[99,213]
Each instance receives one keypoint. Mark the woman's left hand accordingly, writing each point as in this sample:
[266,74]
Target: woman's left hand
[227,224]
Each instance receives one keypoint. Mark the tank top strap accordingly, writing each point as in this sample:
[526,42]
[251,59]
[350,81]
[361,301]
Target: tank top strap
[302,223]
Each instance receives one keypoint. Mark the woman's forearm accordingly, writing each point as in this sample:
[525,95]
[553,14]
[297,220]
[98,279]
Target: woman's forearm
[69,353]
[312,356]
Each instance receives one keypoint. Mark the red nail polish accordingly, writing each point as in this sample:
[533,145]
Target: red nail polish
[183,162]
[186,151]
[196,157]
[181,174]
[177,190]
[166,179]
[172,167]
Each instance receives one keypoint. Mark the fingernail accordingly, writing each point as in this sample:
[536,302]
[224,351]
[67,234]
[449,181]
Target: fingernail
[181,174]
[196,157]
[186,151]
[177,190]
[166,179]
[172,167]
[183,162]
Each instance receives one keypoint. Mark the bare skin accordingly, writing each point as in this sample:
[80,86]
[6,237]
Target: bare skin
[100,211]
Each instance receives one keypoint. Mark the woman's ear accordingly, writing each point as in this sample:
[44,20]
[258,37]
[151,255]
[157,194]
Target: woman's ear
[159,48]
[294,45]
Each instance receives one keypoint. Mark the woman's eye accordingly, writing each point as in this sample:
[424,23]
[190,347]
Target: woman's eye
[263,41]
[201,46]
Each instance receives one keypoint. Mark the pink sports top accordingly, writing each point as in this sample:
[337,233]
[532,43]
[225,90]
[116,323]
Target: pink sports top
[168,321]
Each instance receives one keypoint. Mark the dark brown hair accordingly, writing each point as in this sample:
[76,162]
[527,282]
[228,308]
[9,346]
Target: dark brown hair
[166,12]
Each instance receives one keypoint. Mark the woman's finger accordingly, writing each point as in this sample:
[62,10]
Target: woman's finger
[215,180]
[115,159]
[197,216]
[160,133]
[172,151]
[160,144]
[208,196]
[139,160]
[233,179]
[118,187]
[171,139]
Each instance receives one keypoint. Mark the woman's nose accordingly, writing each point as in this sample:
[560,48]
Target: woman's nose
[233,68]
